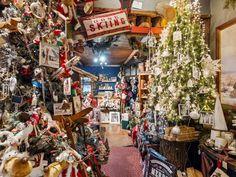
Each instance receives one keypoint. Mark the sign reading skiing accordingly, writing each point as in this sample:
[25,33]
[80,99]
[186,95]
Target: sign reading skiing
[106,24]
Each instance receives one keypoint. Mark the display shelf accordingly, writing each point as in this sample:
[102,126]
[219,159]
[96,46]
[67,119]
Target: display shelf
[142,88]
[105,89]
[107,81]
[145,30]
[145,74]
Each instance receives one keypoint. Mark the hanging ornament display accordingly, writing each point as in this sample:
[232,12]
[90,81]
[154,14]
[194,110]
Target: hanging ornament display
[39,46]
[185,65]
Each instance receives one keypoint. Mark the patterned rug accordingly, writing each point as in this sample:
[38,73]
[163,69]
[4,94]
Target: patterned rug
[123,162]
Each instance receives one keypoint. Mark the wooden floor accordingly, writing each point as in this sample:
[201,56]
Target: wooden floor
[117,137]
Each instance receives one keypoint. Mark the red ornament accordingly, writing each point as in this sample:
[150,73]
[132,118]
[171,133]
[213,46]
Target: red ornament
[94,103]
[36,41]
[28,14]
[75,85]
[57,32]
[26,70]
[62,58]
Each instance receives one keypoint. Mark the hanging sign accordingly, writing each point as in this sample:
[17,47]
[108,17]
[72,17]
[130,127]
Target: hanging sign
[156,166]
[106,24]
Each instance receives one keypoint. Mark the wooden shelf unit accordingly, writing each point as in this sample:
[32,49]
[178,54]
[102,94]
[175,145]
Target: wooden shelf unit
[142,90]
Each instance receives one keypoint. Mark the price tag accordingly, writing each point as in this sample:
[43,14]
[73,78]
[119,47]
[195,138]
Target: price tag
[177,36]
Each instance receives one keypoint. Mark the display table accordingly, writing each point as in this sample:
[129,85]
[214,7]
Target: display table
[231,162]
[178,153]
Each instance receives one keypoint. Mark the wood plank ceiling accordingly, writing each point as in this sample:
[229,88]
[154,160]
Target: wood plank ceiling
[115,55]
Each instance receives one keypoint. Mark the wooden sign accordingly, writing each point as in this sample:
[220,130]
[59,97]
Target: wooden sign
[106,24]
[157,165]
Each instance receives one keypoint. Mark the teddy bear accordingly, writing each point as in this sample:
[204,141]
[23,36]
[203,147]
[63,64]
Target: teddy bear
[18,167]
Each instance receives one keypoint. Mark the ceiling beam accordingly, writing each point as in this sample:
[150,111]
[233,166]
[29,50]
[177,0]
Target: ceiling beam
[130,56]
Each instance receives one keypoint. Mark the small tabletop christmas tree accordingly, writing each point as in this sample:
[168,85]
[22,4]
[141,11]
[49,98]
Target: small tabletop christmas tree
[184,71]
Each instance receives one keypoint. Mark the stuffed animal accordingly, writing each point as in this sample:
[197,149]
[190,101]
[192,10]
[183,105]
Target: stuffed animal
[18,167]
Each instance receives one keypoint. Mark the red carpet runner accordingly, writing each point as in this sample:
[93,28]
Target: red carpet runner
[123,162]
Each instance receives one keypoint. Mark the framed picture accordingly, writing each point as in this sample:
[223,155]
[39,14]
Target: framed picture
[206,118]
[114,117]
[105,117]
[49,55]
[77,104]
[226,52]
[59,109]
[183,110]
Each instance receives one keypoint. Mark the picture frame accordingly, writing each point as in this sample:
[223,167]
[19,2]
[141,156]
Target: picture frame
[105,117]
[57,109]
[183,110]
[48,55]
[114,117]
[225,51]
[77,104]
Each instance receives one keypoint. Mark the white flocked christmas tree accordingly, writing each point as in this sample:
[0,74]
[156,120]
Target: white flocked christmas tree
[184,72]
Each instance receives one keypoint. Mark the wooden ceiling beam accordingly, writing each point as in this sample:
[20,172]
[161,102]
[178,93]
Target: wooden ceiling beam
[131,56]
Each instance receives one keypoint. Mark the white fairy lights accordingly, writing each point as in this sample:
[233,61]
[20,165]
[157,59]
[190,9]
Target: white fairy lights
[185,69]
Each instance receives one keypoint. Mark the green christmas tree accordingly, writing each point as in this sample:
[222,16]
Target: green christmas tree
[184,73]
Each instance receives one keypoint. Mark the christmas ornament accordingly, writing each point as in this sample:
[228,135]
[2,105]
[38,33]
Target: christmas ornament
[159,89]
[165,53]
[194,115]
[190,83]
[175,130]
[37,10]
[67,86]
[172,88]
[177,36]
